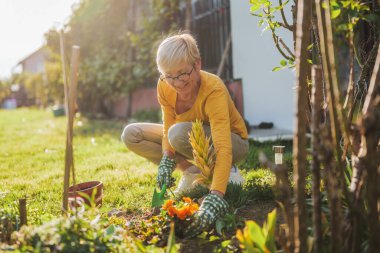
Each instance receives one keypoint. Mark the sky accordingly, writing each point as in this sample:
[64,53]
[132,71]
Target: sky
[22,27]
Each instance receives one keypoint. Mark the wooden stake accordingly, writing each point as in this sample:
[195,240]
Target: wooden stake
[66,179]
[23,214]
[70,104]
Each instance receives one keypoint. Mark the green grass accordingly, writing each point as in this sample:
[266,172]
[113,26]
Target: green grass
[32,161]
[32,164]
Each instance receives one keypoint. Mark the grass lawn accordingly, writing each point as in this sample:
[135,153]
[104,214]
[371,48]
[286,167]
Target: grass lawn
[32,164]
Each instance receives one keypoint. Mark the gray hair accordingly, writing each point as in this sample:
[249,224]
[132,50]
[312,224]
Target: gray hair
[176,50]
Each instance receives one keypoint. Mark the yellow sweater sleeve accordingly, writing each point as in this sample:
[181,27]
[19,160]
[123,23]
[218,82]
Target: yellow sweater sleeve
[168,116]
[219,118]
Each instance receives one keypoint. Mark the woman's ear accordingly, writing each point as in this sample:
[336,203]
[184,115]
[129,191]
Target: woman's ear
[198,64]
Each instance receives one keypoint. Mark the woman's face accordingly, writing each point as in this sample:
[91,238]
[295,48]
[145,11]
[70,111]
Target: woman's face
[183,78]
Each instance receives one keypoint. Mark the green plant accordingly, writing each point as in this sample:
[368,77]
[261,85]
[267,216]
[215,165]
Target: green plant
[83,232]
[259,184]
[236,196]
[9,222]
[228,224]
[254,239]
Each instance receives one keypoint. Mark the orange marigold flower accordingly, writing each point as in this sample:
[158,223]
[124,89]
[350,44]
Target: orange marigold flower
[187,199]
[193,208]
[172,211]
[182,213]
[167,204]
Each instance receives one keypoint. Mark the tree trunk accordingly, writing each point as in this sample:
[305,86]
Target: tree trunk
[316,102]
[333,167]
[299,146]
[371,156]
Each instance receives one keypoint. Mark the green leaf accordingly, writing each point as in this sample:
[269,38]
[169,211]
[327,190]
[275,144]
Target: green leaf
[254,7]
[110,230]
[283,62]
[372,18]
[335,13]
[219,226]
[310,61]
[276,69]
[158,197]
[256,234]
[271,225]
[225,243]
[213,238]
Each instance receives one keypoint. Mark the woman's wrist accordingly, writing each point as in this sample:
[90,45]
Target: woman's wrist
[216,192]
[168,153]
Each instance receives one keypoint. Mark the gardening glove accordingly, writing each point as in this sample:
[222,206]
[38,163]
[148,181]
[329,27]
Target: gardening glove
[213,207]
[165,170]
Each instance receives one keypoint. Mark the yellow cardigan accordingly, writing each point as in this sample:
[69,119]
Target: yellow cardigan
[213,105]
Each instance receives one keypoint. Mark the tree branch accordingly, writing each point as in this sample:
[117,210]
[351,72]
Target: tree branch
[286,24]
[276,38]
[287,48]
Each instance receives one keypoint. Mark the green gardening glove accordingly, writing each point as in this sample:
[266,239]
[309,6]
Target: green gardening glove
[212,208]
[165,170]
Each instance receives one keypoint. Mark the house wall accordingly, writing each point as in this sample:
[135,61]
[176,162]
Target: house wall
[142,99]
[35,63]
[268,96]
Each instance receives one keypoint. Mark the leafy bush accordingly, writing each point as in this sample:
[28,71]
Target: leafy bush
[76,233]
[9,222]
[259,184]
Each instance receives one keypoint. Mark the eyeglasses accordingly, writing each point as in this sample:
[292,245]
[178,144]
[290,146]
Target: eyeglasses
[184,77]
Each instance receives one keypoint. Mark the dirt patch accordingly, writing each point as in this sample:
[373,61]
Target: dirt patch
[258,211]
[253,210]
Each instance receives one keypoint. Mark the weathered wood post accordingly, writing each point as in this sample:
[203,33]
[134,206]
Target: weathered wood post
[23,214]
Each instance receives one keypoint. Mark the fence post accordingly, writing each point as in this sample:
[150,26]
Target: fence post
[23,214]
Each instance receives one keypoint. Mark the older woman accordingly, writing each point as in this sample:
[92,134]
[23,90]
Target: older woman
[187,93]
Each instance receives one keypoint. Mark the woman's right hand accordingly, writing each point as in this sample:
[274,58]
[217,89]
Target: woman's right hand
[165,170]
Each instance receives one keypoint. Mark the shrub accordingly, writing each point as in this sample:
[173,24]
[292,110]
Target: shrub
[9,222]
[259,184]
[76,233]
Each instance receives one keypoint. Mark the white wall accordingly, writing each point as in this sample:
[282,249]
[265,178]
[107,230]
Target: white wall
[268,96]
